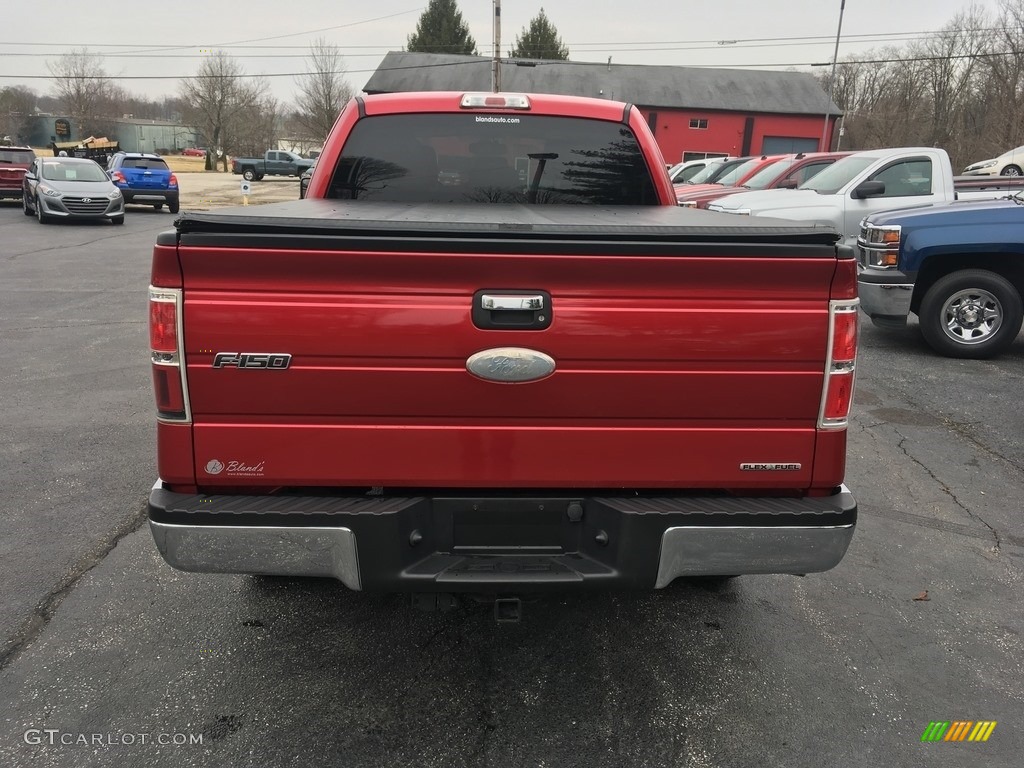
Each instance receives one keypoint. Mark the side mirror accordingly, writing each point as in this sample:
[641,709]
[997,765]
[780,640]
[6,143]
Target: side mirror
[786,184]
[869,189]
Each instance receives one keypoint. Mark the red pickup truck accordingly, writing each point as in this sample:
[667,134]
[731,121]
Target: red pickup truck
[488,353]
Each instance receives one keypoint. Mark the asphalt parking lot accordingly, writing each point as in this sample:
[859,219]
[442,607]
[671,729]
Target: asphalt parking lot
[101,641]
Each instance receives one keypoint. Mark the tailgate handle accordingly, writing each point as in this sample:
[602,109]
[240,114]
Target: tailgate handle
[510,309]
[512,303]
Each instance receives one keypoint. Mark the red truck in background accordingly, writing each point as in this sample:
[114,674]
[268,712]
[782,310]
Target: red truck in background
[488,353]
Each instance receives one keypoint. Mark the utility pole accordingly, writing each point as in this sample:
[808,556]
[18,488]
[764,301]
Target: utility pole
[496,61]
[832,79]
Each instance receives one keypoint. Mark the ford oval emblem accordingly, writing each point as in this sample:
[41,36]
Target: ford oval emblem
[510,365]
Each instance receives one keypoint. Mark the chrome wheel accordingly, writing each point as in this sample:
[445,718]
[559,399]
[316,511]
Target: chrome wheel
[972,316]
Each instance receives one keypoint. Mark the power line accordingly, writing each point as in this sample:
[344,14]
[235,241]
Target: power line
[481,60]
[863,37]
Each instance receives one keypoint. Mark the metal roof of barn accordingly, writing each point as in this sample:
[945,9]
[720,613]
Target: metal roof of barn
[730,90]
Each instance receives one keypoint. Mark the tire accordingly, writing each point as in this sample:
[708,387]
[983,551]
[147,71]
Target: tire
[173,206]
[41,217]
[971,314]
[249,174]
[260,177]
[158,206]
[118,221]
[1011,170]
[24,205]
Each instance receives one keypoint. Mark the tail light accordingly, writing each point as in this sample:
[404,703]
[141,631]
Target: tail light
[500,100]
[841,360]
[173,182]
[840,364]
[165,342]
[118,178]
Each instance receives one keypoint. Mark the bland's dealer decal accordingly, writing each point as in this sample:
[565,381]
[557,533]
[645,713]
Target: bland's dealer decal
[234,468]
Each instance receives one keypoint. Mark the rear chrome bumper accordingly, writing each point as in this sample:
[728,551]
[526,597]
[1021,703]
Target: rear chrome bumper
[284,551]
[691,551]
[413,543]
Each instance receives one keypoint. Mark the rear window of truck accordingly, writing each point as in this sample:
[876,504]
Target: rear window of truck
[473,157]
[17,156]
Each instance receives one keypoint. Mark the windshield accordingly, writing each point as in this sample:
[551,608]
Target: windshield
[837,175]
[56,170]
[768,174]
[732,177]
[711,172]
[467,157]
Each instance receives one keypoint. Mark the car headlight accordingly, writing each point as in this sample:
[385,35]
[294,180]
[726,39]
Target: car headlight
[114,195]
[979,166]
[49,191]
[879,245]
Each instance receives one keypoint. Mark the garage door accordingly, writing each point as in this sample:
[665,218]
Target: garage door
[783,145]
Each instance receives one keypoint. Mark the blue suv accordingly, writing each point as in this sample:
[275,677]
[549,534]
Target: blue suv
[144,179]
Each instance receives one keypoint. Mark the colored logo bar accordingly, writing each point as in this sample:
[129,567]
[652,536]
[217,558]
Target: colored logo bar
[958,730]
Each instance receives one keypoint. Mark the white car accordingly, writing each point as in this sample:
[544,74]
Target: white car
[1007,164]
[682,172]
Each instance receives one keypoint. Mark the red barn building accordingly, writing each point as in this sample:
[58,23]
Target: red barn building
[693,111]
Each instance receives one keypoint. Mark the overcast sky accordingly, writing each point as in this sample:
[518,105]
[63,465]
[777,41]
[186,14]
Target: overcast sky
[167,40]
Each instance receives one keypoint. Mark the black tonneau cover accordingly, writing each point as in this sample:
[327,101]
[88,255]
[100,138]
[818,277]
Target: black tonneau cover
[573,222]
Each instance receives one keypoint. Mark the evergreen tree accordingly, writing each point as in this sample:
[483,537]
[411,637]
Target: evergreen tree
[442,30]
[539,41]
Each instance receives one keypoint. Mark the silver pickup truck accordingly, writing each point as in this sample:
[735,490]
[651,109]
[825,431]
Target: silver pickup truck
[843,194]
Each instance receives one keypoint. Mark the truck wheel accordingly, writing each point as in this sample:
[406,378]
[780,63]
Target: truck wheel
[1011,170]
[248,174]
[971,314]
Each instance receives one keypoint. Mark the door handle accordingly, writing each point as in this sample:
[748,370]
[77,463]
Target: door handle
[512,303]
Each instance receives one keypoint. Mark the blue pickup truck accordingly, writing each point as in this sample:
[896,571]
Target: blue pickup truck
[958,267]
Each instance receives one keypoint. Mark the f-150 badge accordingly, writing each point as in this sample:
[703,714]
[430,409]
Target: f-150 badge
[510,365]
[258,360]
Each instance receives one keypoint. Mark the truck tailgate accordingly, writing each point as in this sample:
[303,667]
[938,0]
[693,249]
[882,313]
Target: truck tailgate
[686,344]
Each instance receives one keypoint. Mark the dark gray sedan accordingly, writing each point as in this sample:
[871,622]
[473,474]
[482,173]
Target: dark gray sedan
[70,188]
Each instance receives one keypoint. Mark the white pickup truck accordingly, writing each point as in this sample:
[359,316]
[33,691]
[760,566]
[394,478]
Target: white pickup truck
[843,194]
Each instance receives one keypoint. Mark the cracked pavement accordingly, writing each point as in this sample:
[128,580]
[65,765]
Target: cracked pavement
[101,638]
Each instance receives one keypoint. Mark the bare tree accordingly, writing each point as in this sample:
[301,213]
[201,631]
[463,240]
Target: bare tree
[17,105]
[323,91]
[218,101]
[257,129]
[81,84]
[961,88]
[1004,81]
